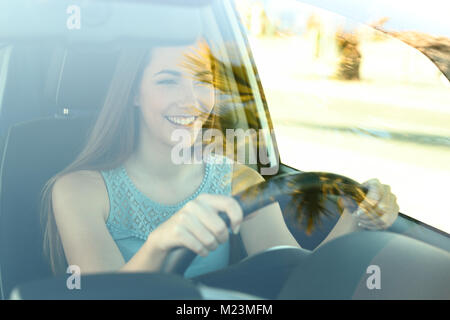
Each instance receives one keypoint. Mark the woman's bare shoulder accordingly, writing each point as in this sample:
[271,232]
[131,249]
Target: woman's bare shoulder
[82,190]
[244,177]
[81,181]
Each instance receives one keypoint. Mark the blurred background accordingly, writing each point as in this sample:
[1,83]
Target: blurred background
[362,100]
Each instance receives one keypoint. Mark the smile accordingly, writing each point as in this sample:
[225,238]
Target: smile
[181,120]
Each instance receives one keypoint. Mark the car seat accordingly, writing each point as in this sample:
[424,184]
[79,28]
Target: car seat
[34,152]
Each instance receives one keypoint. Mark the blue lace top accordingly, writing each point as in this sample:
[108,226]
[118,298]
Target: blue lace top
[133,215]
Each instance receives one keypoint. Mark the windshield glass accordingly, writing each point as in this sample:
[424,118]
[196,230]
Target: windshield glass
[188,137]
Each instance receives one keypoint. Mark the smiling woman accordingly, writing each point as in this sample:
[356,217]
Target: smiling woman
[123,204]
[115,200]
[167,205]
[133,204]
[130,145]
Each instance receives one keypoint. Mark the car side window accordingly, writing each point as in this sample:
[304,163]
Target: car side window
[5,52]
[350,99]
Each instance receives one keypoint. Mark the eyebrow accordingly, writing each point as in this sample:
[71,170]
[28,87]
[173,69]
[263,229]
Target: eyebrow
[168,71]
[178,74]
[204,73]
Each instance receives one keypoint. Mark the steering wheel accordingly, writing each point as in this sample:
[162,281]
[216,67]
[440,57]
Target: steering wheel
[306,194]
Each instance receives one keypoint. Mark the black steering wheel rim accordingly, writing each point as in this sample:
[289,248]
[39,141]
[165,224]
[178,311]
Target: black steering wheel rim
[309,185]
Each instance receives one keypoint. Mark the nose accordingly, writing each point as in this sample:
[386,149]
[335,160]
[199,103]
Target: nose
[189,98]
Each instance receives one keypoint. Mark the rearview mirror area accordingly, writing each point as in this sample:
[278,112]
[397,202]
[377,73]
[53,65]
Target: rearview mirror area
[101,21]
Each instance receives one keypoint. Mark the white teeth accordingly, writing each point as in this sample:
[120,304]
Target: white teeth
[184,121]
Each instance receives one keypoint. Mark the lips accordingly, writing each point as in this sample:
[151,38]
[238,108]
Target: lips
[181,120]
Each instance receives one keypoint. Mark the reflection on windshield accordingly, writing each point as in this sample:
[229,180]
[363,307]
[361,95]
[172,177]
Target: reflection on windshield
[130,196]
[310,197]
[354,99]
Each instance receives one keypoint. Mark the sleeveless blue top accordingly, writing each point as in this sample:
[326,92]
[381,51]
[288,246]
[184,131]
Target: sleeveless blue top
[133,215]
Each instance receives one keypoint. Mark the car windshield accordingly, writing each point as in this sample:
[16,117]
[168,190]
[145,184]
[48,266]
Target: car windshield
[130,129]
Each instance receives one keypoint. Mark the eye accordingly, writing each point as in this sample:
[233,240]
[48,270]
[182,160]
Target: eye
[167,82]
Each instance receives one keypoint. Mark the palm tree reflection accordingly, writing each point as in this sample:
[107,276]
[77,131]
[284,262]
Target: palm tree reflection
[307,198]
[229,80]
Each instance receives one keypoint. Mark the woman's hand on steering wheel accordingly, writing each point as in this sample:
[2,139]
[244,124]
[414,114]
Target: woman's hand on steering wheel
[198,226]
[379,209]
[376,208]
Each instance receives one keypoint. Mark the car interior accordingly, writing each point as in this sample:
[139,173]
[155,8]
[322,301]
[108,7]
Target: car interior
[52,94]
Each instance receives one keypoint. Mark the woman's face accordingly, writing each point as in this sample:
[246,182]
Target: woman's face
[171,95]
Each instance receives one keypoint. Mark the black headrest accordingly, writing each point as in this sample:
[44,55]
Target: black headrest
[34,152]
[49,78]
[84,79]
[23,97]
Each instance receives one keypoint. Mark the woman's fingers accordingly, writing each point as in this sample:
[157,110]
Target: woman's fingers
[199,224]
[374,195]
[188,240]
[211,220]
[205,225]
[226,204]
[379,209]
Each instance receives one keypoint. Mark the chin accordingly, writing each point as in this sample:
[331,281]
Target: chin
[186,138]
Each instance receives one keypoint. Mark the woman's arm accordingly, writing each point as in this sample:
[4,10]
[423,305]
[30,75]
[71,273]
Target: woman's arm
[81,207]
[265,228]
[377,211]
[345,224]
